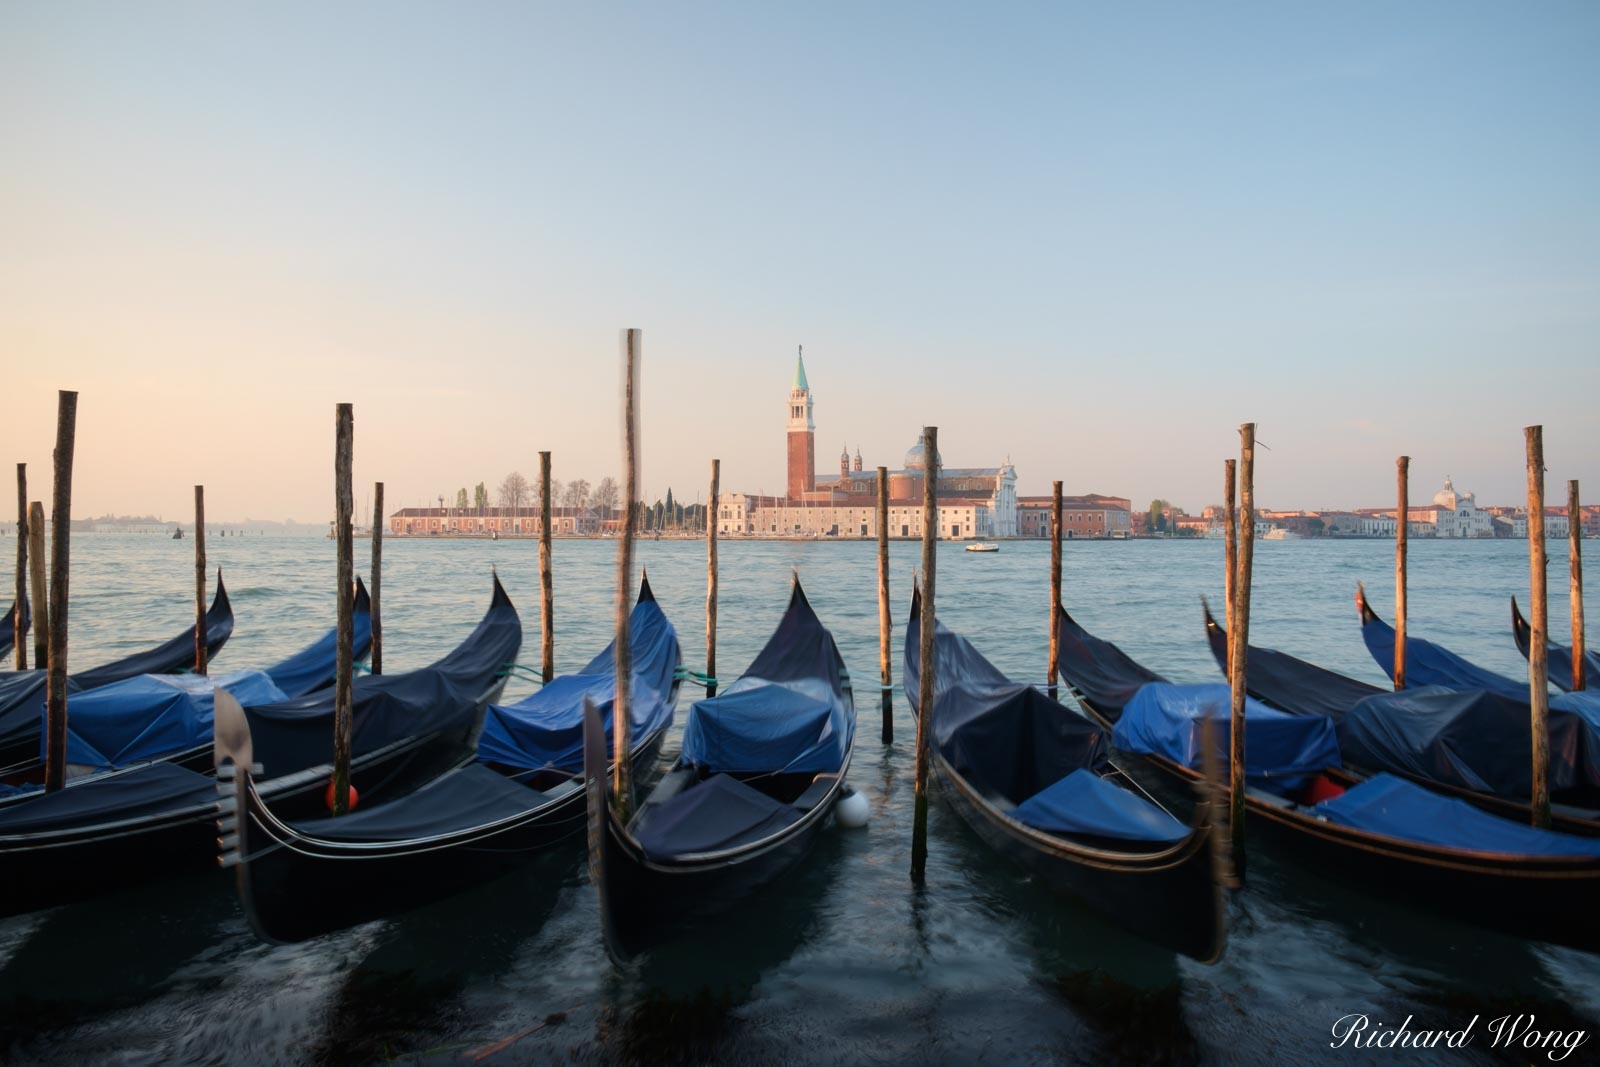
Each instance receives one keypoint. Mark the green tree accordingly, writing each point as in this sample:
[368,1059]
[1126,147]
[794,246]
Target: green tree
[480,496]
[1156,517]
[461,499]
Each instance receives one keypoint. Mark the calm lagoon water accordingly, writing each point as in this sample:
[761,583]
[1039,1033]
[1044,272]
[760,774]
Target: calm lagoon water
[845,962]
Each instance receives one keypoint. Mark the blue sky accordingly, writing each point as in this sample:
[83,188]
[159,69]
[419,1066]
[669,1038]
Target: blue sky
[1094,238]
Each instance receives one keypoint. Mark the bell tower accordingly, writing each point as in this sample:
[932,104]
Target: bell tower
[802,433]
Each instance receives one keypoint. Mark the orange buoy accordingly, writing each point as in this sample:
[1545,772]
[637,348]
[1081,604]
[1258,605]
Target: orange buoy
[327,798]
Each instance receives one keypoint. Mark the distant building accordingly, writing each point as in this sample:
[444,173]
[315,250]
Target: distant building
[973,501]
[1093,515]
[504,522]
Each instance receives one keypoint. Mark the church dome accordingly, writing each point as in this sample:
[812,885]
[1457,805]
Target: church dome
[1447,497]
[916,460]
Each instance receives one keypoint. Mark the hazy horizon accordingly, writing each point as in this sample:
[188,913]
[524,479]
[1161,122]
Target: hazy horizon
[1092,240]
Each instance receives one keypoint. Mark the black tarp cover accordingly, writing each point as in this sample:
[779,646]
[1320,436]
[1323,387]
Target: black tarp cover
[1428,664]
[174,655]
[1558,658]
[1290,684]
[469,797]
[1476,740]
[22,694]
[1105,675]
[110,798]
[1009,740]
[292,736]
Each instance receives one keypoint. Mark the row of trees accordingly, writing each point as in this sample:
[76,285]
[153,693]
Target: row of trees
[516,490]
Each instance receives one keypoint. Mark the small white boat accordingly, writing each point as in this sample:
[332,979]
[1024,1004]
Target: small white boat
[982,546]
[1279,533]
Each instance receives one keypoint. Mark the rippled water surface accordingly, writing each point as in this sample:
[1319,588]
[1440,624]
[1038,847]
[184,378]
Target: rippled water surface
[843,962]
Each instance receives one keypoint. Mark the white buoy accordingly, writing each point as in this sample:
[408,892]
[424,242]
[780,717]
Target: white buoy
[852,809]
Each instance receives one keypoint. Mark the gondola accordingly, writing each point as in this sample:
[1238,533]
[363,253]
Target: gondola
[1383,834]
[1558,658]
[168,716]
[1427,663]
[523,793]
[762,766]
[1471,744]
[1034,780]
[22,692]
[105,831]
[8,627]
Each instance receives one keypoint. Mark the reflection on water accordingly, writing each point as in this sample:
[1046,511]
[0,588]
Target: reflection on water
[842,961]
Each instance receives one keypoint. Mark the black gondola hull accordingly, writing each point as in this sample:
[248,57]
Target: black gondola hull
[1174,900]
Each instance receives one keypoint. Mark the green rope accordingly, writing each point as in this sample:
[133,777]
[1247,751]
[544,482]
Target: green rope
[521,671]
[702,680]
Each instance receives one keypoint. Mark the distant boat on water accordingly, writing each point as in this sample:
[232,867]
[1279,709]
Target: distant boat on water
[1279,533]
[983,546]
[177,533]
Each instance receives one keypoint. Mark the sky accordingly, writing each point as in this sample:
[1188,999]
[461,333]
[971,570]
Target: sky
[1093,238]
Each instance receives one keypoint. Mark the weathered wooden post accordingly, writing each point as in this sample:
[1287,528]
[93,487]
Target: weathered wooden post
[1055,588]
[41,593]
[1538,664]
[885,627]
[1580,679]
[547,594]
[1402,530]
[925,681]
[711,580]
[199,579]
[1230,555]
[373,594]
[1239,643]
[19,606]
[55,764]
[343,695]
[622,771]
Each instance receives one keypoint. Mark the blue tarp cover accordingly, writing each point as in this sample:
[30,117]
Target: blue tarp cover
[720,812]
[148,790]
[1475,739]
[313,666]
[758,725]
[1085,803]
[152,715]
[1166,720]
[1393,807]
[1427,664]
[546,728]
[1106,676]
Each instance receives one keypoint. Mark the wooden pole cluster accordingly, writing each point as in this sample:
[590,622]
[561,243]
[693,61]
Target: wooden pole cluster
[622,776]
[375,593]
[1239,644]
[885,627]
[1538,665]
[55,766]
[925,681]
[41,595]
[343,696]
[711,580]
[547,595]
[1580,679]
[19,605]
[199,579]
[1055,589]
[1402,529]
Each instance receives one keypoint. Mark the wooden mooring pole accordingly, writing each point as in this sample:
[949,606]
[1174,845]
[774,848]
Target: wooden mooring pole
[925,680]
[622,772]
[1055,589]
[41,592]
[19,606]
[1580,680]
[1239,644]
[547,595]
[1538,651]
[1402,529]
[1230,553]
[375,593]
[711,580]
[344,656]
[199,579]
[885,626]
[55,764]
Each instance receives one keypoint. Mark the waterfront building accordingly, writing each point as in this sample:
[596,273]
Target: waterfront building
[502,522]
[974,502]
[1093,515]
